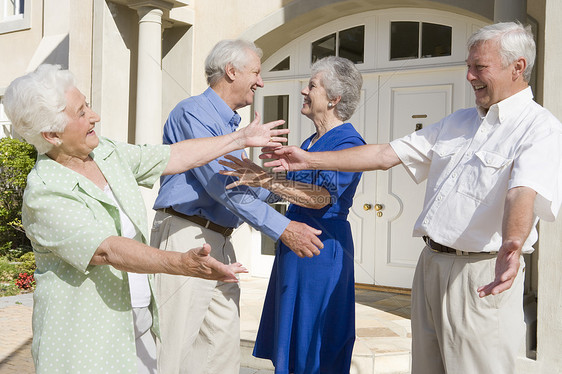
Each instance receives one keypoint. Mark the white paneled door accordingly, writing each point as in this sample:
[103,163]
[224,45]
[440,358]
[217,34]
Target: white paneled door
[386,203]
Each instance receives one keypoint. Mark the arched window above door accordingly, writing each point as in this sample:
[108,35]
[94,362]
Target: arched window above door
[283,65]
[412,40]
[382,40]
[348,43]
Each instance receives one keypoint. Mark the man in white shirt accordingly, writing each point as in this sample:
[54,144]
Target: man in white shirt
[492,172]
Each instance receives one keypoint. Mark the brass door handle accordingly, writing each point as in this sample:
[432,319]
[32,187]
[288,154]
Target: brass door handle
[367,207]
[379,207]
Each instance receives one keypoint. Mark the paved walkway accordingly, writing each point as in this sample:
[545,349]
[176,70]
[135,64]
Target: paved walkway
[382,345]
[15,334]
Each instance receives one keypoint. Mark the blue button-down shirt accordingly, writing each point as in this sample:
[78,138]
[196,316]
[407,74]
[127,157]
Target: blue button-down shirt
[201,191]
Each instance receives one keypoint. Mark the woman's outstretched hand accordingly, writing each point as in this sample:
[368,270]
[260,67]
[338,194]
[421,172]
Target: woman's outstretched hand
[199,263]
[248,173]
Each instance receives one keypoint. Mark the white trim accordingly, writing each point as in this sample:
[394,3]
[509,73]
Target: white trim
[377,42]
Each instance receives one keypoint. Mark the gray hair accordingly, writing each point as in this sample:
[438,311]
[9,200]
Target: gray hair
[35,103]
[234,52]
[514,41]
[340,77]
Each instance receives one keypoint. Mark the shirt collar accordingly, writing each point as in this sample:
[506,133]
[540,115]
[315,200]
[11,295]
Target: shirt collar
[227,115]
[510,107]
[51,172]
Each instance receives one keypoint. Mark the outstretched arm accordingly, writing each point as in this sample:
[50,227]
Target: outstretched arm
[362,158]
[250,174]
[132,256]
[192,153]
[517,224]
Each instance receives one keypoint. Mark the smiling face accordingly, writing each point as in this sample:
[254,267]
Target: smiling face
[491,81]
[315,103]
[245,82]
[78,138]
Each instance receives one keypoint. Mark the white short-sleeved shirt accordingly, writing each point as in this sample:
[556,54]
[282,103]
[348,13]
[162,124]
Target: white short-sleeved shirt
[471,159]
[82,316]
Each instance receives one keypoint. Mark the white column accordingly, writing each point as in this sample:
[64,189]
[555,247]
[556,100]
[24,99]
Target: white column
[148,128]
[549,314]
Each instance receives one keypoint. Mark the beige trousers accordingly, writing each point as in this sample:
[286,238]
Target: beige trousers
[453,330]
[199,319]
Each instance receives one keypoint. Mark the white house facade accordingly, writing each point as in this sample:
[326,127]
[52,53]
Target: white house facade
[135,59]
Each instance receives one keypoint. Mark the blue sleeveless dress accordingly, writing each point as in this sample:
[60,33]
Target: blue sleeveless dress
[308,320]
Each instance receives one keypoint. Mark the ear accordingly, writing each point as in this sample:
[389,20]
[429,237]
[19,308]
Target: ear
[52,137]
[336,100]
[519,67]
[230,71]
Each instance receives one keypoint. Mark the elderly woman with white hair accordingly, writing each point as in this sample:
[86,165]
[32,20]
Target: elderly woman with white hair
[308,320]
[84,214]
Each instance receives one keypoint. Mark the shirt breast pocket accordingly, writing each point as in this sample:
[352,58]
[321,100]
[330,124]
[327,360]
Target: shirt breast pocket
[486,175]
[443,155]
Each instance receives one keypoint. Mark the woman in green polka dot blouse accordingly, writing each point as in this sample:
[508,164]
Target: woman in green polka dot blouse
[86,219]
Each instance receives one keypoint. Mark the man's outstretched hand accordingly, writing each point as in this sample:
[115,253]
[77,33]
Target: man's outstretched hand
[285,158]
[302,239]
[258,135]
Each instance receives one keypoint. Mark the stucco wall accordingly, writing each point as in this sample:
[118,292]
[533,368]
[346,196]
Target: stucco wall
[17,48]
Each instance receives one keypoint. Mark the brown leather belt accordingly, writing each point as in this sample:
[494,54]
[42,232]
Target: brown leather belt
[444,249]
[225,231]
[438,247]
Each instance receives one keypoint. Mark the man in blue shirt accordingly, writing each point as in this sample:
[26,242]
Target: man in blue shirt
[200,325]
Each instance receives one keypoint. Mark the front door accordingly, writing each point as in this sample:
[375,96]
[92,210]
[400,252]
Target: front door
[407,102]
[386,203]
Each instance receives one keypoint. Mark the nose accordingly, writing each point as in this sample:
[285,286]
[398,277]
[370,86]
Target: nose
[260,81]
[94,117]
[470,74]
[305,91]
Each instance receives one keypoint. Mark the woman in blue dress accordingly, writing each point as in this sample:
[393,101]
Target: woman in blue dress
[308,320]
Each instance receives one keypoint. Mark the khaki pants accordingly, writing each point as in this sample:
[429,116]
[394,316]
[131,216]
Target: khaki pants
[454,330]
[199,319]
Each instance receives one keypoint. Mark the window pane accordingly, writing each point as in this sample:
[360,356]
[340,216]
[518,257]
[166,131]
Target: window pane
[267,244]
[324,47]
[9,8]
[436,40]
[352,43]
[404,40]
[283,65]
[274,107]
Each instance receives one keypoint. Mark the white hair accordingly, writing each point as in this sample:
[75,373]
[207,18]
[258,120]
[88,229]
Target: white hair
[340,77]
[35,103]
[230,51]
[514,41]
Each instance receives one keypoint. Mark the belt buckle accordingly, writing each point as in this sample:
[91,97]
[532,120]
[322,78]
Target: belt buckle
[207,224]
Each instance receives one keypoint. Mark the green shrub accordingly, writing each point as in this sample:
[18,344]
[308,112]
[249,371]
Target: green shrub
[16,161]
[8,270]
[27,263]
[17,276]
[9,289]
